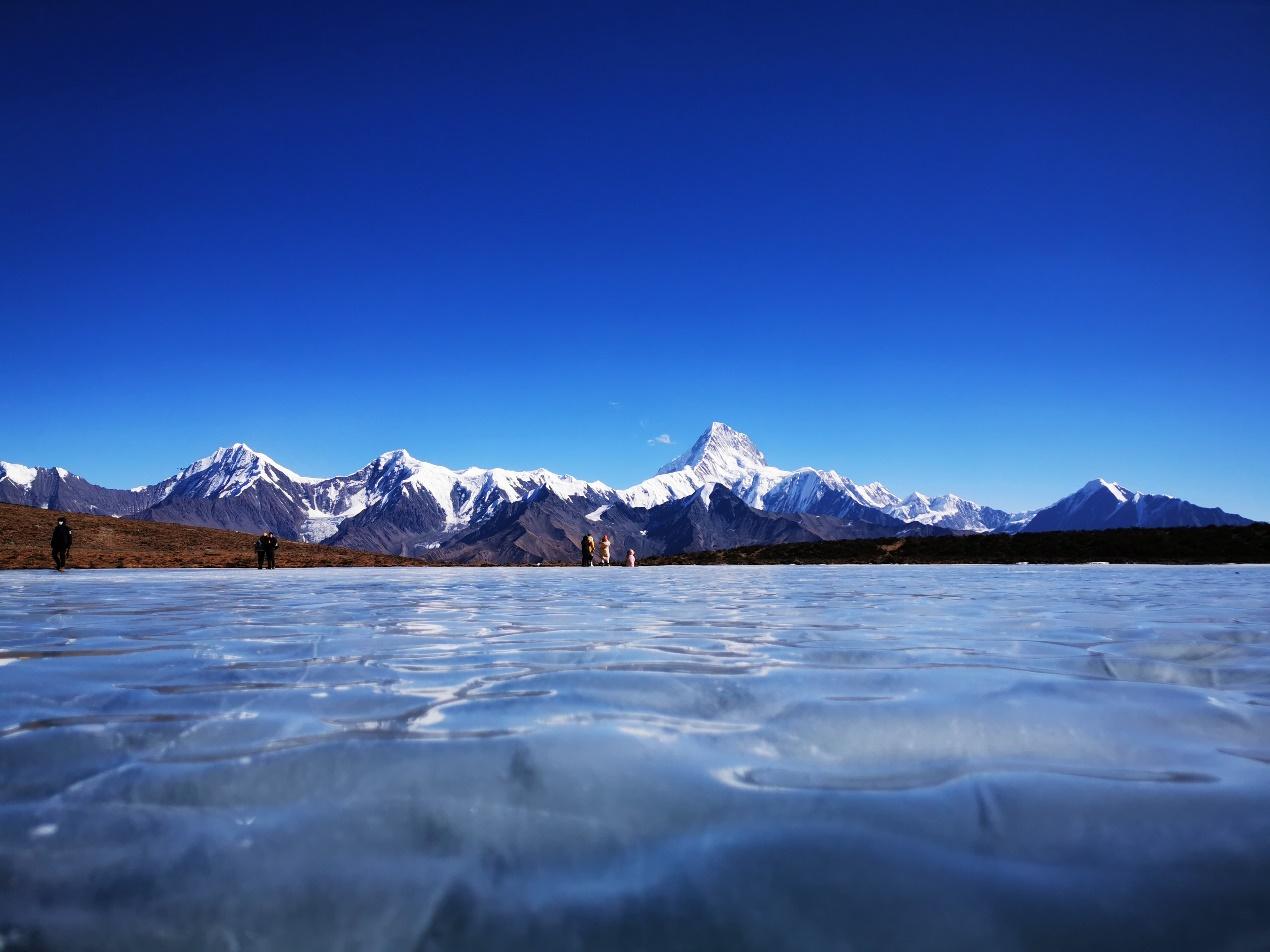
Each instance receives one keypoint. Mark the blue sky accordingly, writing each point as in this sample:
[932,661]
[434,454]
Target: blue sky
[995,248]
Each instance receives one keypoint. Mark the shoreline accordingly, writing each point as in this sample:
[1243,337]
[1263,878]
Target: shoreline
[106,542]
[433,566]
[1200,545]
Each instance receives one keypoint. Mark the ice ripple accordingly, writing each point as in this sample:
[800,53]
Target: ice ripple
[777,758]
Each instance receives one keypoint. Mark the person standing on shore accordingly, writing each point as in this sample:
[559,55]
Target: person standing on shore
[271,546]
[604,549]
[61,543]
[261,545]
[588,550]
[630,558]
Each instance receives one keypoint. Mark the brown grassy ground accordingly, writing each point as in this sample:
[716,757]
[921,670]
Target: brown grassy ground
[102,542]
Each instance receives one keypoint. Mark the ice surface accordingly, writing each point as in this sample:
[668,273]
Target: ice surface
[777,758]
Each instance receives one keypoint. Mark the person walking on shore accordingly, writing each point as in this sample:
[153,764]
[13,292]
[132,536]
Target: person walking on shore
[61,543]
[271,546]
[588,550]
[630,558]
[604,549]
[262,545]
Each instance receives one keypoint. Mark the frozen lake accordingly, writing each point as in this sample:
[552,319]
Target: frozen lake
[794,758]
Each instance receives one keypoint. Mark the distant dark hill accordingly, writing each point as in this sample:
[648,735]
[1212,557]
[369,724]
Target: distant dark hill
[716,518]
[1204,545]
[544,528]
[1103,505]
[107,542]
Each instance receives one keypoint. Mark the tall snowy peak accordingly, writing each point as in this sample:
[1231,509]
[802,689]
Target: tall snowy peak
[720,455]
[724,456]
[230,471]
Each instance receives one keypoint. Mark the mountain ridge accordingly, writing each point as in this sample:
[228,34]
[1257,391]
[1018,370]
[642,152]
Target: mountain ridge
[405,506]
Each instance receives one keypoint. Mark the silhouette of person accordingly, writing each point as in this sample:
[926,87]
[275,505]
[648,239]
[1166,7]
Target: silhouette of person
[61,543]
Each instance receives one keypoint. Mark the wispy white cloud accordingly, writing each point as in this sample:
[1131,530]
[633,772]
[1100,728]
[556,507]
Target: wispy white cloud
[664,440]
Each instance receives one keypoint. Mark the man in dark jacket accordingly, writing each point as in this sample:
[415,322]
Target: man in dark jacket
[271,546]
[61,543]
[262,545]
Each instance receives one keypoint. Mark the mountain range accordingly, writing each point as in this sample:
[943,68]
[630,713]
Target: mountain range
[720,493]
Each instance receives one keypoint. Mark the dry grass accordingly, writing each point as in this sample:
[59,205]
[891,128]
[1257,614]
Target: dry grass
[103,542]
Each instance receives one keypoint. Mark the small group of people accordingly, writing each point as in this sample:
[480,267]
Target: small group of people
[266,546]
[61,543]
[588,551]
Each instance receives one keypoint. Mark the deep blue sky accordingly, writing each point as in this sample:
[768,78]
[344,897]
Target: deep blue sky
[994,248]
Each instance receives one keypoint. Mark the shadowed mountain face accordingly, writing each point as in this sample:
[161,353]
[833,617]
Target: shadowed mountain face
[255,510]
[406,521]
[1103,505]
[716,518]
[547,528]
[50,488]
[722,492]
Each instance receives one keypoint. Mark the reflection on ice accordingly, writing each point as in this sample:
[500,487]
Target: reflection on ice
[781,758]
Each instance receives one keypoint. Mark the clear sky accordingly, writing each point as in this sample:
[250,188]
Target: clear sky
[989,248]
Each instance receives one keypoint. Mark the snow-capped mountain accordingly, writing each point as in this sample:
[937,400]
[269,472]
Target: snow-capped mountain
[723,456]
[1100,504]
[545,527]
[240,489]
[394,502]
[952,512]
[48,487]
[402,505]
[406,506]
[825,493]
